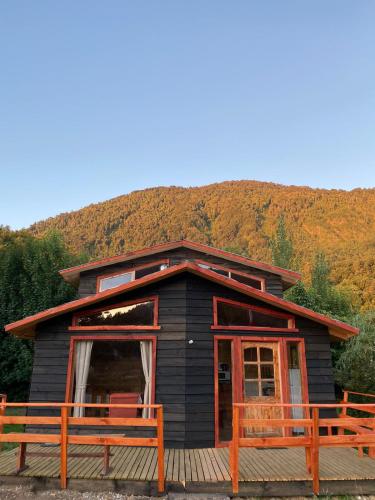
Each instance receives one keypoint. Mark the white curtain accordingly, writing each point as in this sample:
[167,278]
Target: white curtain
[82,365]
[296,395]
[146,356]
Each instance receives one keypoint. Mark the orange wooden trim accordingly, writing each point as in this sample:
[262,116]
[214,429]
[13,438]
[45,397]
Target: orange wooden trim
[110,328]
[24,437]
[3,400]
[112,440]
[261,280]
[64,448]
[24,327]
[303,368]
[315,450]
[252,307]
[235,450]
[276,422]
[128,271]
[154,299]
[291,275]
[277,442]
[360,394]
[284,381]
[25,420]
[254,328]
[136,422]
[216,390]
[117,338]
[160,440]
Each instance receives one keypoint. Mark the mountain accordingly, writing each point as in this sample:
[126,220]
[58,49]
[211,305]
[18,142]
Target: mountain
[241,216]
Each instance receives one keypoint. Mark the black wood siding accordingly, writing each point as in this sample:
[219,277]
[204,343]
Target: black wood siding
[87,285]
[184,371]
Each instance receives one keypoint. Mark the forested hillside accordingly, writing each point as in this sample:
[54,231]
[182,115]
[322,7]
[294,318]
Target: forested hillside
[241,216]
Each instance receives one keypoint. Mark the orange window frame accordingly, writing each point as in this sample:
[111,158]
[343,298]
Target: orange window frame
[237,372]
[128,270]
[109,338]
[262,281]
[155,326]
[216,326]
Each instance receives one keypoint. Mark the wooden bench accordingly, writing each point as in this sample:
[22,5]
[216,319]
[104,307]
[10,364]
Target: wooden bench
[105,455]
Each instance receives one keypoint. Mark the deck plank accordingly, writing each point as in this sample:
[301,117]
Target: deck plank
[195,465]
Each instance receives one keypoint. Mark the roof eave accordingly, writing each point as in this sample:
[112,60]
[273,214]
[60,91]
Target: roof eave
[26,326]
[289,278]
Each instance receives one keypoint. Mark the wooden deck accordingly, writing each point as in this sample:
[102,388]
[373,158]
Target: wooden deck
[197,466]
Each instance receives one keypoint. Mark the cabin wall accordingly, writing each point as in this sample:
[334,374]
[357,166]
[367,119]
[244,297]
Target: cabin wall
[87,285]
[185,357]
[200,358]
[52,342]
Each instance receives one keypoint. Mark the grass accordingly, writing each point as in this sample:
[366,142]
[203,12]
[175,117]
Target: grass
[13,427]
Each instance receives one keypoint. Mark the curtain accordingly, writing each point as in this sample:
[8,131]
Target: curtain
[146,356]
[82,365]
[295,385]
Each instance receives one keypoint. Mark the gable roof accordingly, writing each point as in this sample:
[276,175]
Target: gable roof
[289,278]
[26,327]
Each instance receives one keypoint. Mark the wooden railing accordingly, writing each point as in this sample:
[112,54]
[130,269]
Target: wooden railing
[63,438]
[3,400]
[360,428]
[312,441]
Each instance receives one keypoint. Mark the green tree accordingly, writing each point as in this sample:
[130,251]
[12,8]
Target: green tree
[29,283]
[322,296]
[281,245]
[355,368]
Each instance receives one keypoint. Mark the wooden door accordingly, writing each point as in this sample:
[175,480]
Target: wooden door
[261,384]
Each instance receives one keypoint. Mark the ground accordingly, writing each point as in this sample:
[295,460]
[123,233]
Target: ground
[21,492]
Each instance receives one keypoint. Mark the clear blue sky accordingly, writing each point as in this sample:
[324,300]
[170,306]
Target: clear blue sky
[100,98]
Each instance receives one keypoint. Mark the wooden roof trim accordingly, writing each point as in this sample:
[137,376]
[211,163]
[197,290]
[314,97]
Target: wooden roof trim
[290,277]
[25,327]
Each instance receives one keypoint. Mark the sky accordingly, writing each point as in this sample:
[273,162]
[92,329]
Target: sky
[98,99]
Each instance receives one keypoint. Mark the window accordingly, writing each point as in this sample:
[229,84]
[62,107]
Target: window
[112,369]
[105,282]
[231,315]
[141,314]
[259,374]
[246,279]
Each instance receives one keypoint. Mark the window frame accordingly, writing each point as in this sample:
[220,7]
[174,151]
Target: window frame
[262,281]
[155,326]
[108,338]
[237,388]
[128,270]
[216,326]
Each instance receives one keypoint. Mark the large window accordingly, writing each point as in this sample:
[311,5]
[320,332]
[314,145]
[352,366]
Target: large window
[231,315]
[246,279]
[107,281]
[116,370]
[140,314]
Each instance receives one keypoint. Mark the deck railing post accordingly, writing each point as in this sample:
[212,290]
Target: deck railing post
[64,447]
[235,448]
[315,450]
[3,400]
[160,436]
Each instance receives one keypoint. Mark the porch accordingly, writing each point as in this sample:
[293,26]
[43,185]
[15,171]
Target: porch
[134,470]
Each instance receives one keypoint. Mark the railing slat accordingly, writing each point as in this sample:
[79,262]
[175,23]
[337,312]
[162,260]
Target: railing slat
[137,422]
[63,438]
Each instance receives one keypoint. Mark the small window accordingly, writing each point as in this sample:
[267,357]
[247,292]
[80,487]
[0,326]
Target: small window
[241,277]
[113,280]
[139,314]
[233,315]
[117,280]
